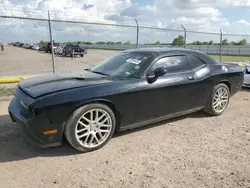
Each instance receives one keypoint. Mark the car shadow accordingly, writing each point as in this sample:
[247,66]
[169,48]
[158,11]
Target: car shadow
[14,147]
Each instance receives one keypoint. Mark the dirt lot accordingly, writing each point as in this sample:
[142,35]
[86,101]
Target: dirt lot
[192,151]
[15,61]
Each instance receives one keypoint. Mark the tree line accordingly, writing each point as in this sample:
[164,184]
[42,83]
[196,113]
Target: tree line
[179,41]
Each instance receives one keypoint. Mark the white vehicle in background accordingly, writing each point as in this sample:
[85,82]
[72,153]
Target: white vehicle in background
[35,47]
[59,50]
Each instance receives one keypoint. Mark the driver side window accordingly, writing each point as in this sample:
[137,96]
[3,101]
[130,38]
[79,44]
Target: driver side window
[173,64]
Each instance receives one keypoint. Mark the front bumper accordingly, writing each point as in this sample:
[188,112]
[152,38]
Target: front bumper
[32,128]
[246,85]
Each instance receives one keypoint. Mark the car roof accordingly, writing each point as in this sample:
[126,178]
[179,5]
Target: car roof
[174,51]
[162,50]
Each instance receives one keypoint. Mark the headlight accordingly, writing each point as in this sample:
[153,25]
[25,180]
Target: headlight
[24,105]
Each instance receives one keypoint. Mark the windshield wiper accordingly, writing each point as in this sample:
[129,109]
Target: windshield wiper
[97,72]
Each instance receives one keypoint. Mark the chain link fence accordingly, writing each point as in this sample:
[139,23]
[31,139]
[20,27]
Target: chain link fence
[27,50]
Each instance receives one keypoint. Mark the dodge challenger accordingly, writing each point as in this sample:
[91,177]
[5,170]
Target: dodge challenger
[133,88]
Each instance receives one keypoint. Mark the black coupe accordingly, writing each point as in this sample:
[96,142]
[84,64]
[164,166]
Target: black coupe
[131,89]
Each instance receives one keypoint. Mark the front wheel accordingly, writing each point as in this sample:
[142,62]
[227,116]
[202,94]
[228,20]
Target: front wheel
[90,127]
[218,100]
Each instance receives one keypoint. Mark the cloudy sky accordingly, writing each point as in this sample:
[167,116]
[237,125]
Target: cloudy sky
[232,16]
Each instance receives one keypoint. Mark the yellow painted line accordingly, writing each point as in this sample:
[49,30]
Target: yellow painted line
[8,80]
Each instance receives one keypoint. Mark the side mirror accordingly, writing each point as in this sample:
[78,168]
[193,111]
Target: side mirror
[160,71]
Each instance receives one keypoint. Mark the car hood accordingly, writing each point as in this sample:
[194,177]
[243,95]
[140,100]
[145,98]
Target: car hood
[42,85]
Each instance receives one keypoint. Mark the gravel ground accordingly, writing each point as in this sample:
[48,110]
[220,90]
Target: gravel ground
[193,151]
[15,61]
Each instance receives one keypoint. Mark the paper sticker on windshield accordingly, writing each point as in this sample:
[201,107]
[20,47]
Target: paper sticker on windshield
[135,61]
[127,73]
[137,67]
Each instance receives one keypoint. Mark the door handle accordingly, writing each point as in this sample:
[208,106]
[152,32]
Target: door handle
[191,77]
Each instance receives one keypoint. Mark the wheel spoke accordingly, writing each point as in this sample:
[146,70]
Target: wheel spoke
[102,122]
[104,131]
[83,124]
[217,104]
[86,119]
[86,139]
[81,130]
[223,101]
[96,139]
[83,135]
[100,134]
[91,115]
[102,116]
[96,115]
[105,125]
[91,139]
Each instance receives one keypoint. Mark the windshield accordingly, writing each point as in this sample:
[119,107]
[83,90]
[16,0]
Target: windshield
[124,64]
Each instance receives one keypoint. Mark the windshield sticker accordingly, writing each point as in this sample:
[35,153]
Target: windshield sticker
[137,67]
[134,61]
[127,73]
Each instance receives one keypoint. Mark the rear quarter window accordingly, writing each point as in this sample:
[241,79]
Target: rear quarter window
[195,62]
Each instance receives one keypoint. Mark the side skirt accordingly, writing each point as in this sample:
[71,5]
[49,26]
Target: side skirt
[159,119]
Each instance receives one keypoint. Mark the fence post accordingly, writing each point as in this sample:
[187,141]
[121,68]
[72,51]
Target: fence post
[51,42]
[220,44]
[137,34]
[185,36]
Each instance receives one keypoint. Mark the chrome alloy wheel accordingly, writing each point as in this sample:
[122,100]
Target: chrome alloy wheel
[93,128]
[220,100]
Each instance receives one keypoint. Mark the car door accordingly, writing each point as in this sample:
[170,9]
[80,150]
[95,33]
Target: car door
[168,94]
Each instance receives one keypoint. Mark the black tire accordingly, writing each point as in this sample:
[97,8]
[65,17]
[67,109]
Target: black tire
[209,106]
[81,55]
[71,124]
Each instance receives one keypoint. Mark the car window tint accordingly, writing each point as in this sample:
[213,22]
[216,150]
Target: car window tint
[173,64]
[195,62]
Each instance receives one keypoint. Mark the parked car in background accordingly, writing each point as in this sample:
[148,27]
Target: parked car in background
[48,47]
[59,50]
[131,89]
[42,47]
[246,70]
[73,49]
[35,47]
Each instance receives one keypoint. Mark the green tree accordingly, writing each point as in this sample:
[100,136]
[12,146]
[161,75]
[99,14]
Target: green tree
[242,42]
[211,42]
[88,43]
[100,42]
[118,43]
[43,42]
[128,42]
[179,41]
[205,43]
[158,42]
[110,43]
[225,42]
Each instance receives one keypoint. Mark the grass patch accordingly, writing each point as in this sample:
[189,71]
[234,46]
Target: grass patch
[231,58]
[4,91]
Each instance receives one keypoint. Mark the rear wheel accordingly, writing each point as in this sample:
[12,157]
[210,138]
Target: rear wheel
[81,55]
[90,127]
[218,100]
